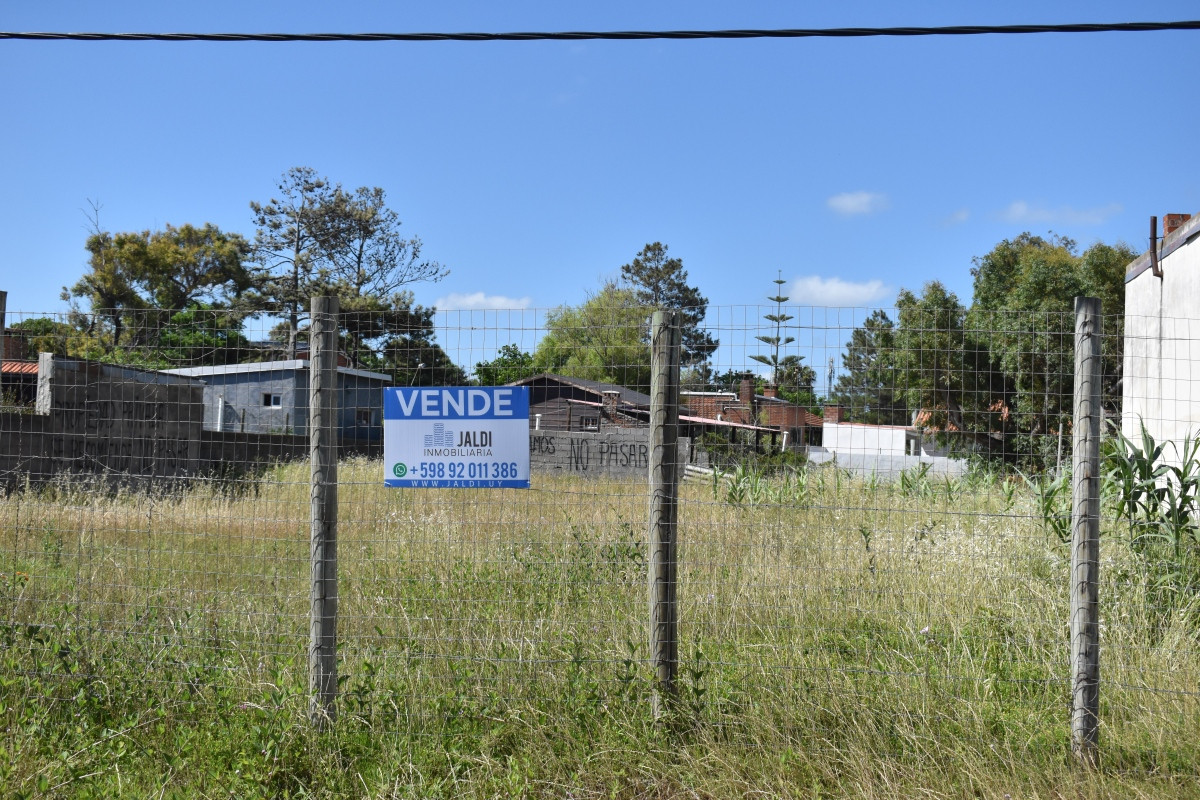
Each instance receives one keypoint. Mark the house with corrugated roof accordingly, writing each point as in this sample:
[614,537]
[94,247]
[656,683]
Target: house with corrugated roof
[767,416]
[563,403]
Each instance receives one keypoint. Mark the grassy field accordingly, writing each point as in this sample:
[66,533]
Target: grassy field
[840,638]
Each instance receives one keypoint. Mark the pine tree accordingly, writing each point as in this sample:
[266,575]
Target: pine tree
[661,282]
[778,340]
[867,390]
[793,378]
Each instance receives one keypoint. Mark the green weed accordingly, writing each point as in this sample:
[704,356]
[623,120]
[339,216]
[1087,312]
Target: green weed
[1157,497]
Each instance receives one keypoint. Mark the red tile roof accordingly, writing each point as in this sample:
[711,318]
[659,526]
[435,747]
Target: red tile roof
[19,368]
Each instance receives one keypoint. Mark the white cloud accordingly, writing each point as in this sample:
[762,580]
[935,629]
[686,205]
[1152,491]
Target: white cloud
[957,218]
[479,300]
[850,204]
[1023,213]
[813,290]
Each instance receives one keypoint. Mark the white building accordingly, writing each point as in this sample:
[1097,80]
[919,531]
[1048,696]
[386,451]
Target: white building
[884,450]
[1160,386]
[852,437]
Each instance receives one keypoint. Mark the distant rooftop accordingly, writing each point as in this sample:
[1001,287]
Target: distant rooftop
[625,395]
[269,366]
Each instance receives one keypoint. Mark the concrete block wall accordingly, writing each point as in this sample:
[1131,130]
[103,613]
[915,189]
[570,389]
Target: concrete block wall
[622,454]
[93,418]
[131,426]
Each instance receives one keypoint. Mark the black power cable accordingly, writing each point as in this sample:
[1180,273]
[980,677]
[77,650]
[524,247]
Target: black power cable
[785,33]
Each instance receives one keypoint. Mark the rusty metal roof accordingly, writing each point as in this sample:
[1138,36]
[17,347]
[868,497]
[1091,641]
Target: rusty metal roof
[724,423]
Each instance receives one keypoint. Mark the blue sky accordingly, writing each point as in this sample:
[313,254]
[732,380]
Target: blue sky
[535,170]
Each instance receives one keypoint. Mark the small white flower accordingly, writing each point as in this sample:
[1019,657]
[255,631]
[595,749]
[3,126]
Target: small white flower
[925,630]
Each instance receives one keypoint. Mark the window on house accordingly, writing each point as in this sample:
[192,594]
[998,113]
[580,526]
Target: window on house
[362,416]
[272,400]
[589,423]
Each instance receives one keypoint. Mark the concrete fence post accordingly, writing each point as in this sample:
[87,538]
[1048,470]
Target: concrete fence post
[665,338]
[1085,533]
[323,487]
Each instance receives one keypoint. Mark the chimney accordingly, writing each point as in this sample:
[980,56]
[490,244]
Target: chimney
[771,391]
[16,348]
[1172,222]
[833,414]
[609,402]
[746,394]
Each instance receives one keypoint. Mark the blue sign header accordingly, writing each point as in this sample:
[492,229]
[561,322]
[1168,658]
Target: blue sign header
[456,402]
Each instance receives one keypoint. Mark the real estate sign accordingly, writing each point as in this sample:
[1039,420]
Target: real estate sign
[456,437]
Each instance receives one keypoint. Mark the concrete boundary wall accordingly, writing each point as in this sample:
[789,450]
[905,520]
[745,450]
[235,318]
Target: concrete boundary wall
[100,419]
[131,426]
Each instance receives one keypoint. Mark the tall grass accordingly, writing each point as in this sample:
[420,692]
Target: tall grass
[841,637]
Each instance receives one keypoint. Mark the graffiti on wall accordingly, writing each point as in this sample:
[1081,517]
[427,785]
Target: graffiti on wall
[625,453]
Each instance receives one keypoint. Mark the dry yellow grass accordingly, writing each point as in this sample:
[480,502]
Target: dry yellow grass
[849,634]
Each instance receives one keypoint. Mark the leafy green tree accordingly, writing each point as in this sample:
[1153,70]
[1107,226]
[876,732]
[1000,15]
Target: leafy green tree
[510,364]
[368,262]
[368,321]
[397,337]
[1103,267]
[48,335]
[946,372]
[132,275]
[604,340]
[1023,313]
[107,288]
[867,388]
[1023,310]
[796,381]
[660,282]
[1000,374]
[731,379]
[178,268]
[697,378]
[202,336]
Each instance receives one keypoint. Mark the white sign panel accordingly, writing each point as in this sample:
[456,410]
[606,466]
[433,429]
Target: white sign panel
[456,437]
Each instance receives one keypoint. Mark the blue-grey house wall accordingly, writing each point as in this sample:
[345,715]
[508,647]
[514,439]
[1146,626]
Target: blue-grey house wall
[234,401]
[360,405]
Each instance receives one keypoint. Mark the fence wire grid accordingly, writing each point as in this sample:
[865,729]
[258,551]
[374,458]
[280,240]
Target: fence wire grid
[874,519]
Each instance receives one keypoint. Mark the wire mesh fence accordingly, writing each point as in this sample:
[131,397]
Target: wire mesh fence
[873,523]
